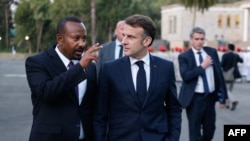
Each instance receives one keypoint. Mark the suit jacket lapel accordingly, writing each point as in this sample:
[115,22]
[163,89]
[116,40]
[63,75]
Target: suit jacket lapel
[192,58]
[154,68]
[55,59]
[216,67]
[212,56]
[59,68]
[111,50]
[126,68]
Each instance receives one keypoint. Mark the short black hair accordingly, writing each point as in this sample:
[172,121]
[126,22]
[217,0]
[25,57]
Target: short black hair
[231,46]
[145,22]
[61,23]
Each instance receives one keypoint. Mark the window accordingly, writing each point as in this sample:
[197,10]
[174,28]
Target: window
[237,21]
[220,21]
[172,24]
[228,21]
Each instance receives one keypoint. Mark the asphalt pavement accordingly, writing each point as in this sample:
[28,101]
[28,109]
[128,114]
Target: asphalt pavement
[16,107]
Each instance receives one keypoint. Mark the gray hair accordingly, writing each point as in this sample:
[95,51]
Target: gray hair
[197,30]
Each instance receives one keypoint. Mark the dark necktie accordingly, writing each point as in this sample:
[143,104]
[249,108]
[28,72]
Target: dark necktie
[141,82]
[121,51]
[204,77]
[70,65]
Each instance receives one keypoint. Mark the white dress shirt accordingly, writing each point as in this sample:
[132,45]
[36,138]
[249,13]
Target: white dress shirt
[81,86]
[209,73]
[135,68]
[117,48]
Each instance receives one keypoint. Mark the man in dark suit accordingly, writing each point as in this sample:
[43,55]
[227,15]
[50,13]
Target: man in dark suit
[111,50]
[63,86]
[230,60]
[137,97]
[202,85]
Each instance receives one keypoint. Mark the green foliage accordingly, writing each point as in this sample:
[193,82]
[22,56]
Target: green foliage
[40,8]
[33,15]
[63,8]
[111,11]
[25,23]
[2,22]
[108,15]
[38,18]
[201,5]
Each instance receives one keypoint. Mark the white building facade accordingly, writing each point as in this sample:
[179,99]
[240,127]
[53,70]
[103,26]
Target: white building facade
[222,22]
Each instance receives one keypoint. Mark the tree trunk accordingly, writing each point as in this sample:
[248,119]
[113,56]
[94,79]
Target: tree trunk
[39,28]
[93,21]
[29,47]
[6,13]
[194,16]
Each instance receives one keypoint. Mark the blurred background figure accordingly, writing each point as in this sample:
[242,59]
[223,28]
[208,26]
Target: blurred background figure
[202,86]
[111,50]
[246,64]
[13,51]
[230,60]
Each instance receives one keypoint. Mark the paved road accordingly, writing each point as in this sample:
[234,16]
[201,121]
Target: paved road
[16,108]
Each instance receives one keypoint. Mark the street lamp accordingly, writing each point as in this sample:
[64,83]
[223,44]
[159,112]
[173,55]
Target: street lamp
[27,37]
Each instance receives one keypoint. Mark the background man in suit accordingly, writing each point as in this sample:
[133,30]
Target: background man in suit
[111,50]
[61,113]
[138,110]
[230,60]
[197,95]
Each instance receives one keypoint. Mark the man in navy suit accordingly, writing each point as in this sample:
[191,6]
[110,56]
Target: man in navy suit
[63,86]
[111,50]
[202,85]
[230,60]
[131,111]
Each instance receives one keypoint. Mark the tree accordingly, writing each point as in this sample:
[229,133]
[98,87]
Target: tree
[24,18]
[39,18]
[93,21]
[40,15]
[198,5]
[109,12]
[6,6]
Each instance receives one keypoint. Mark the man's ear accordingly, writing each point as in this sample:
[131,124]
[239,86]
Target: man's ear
[59,39]
[147,41]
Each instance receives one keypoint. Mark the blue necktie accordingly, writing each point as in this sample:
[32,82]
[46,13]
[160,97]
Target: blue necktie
[204,77]
[70,65]
[121,51]
[141,82]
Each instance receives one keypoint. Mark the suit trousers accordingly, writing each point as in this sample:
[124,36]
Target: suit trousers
[201,117]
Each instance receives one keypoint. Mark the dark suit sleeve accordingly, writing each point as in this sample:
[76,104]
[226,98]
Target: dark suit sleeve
[101,111]
[187,71]
[219,79]
[236,68]
[173,107]
[239,59]
[99,62]
[43,82]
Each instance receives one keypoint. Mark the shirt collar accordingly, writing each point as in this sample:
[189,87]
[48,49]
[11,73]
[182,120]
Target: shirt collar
[196,51]
[64,59]
[145,59]
[118,43]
